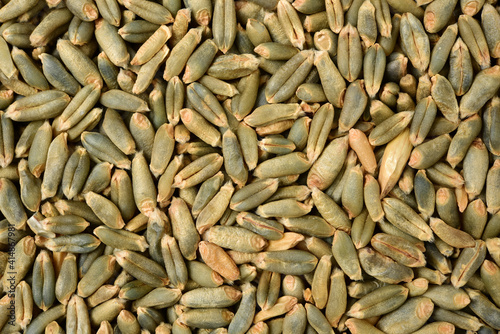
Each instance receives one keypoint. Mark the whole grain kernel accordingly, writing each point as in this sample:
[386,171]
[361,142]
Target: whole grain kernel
[249,166]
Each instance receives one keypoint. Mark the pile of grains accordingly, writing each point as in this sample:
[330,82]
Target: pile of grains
[250,166]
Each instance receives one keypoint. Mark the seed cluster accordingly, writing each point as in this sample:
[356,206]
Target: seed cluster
[249,166]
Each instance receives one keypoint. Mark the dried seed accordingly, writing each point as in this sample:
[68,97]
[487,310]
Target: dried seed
[490,123]
[57,75]
[54,328]
[11,205]
[214,209]
[67,279]
[207,191]
[474,38]
[174,263]
[183,228]
[142,268]
[378,302]
[448,297]
[121,239]
[461,73]
[151,46]
[283,84]
[352,194]
[106,311]
[474,167]
[361,326]
[403,217]
[225,236]
[57,156]
[414,41]
[292,163]
[442,93]
[388,42]
[77,208]
[127,322]
[468,262]
[157,227]
[77,315]
[6,64]
[158,298]
[355,102]
[475,218]
[371,193]
[367,24]
[423,118]
[458,319]
[268,289]
[223,296]
[64,224]
[383,267]
[397,248]
[233,66]
[374,64]
[345,254]
[99,178]
[147,72]
[276,144]
[300,193]
[484,308]
[489,22]
[79,243]
[320,127]
[217,259]
[45,318]
[28,70]
[15,9]
[417,287]
[317,319]
[233,158]
[142,185]
[443,174]
[291,24]
[45,104]
[101,147]
[121,194]
[143,133]
[412,315]
[134,290]
[43,281]
[158,114]
[324,171]
[288,262]
[206,104]
[207,318]
[427,154]
[288,241]
[224,27]
[23,304]
[27,138]
[80,65]
[108,70]
[492,178]
[349,53]
[288,208]
[424,194]
[78,108]
[446,206]
[106,210]
[441,50]
[308,225]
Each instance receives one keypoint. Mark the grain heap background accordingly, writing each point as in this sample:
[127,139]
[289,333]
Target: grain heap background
[250,166]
